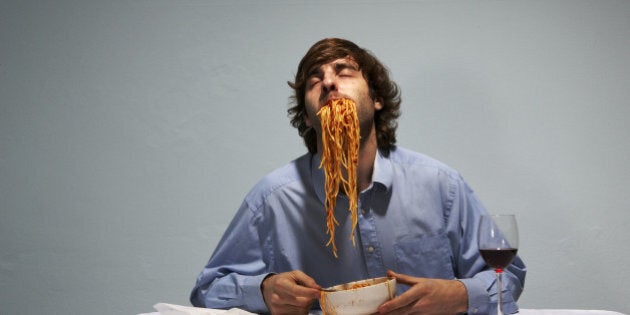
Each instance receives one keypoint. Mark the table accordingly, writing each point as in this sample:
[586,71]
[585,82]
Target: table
[172,309]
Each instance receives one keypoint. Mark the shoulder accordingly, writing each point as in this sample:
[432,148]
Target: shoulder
[410,160]
[421,171]
[282,178]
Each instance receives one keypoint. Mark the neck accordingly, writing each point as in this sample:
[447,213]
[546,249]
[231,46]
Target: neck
[367,154]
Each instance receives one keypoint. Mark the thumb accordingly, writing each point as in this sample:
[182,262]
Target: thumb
[401,278]
[303,279]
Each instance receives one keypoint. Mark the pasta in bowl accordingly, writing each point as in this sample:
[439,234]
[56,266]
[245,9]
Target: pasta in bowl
[358,297]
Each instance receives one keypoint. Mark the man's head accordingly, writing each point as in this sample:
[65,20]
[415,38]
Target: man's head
[381,89]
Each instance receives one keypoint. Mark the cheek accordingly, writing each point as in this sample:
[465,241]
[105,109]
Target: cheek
[313,121]
[310,117]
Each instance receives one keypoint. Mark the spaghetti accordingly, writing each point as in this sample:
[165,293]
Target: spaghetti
[340,157]
[359,285]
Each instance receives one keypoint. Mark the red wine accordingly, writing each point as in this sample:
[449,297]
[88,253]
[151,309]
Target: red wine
[498,259]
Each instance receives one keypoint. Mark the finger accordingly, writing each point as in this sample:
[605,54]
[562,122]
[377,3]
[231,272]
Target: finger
[287,301]
[290,291]
[299,302]
[300,291]
[305,285]
[303,279]
[402,278]
[289,310]
[399,303]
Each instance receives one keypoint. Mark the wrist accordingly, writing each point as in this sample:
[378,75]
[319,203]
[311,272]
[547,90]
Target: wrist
[262,283]
[461,296]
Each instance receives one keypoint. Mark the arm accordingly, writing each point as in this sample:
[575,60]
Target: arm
[471,269]
[290,292]
[482,289]
[238,276]
[473,288]
[234,274]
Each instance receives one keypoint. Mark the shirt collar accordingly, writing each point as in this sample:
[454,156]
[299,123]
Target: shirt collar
[382,174]
[318,178]
[383,171]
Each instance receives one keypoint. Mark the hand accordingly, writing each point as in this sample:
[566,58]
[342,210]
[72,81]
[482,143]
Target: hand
[427,296]
[290,292]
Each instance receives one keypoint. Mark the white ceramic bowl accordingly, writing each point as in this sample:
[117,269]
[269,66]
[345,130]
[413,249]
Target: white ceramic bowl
[359,297]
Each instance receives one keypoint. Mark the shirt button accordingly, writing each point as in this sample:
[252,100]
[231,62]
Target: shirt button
[370,249]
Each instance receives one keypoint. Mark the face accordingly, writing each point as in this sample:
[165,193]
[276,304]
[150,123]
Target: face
[337,79]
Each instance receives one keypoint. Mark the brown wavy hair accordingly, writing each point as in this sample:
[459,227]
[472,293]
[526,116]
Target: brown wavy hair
[382,88]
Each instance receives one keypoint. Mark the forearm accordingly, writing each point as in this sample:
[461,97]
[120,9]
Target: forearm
[233,275]
[231,290]
[470,268]
[482,290]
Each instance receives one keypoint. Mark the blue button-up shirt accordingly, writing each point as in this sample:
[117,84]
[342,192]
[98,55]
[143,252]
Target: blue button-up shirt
[418,217]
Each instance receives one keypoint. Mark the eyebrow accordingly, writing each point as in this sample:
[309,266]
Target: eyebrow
[345,65]
[314,71]
[337,65]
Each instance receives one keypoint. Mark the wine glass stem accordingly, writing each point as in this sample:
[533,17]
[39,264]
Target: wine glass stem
[500,291]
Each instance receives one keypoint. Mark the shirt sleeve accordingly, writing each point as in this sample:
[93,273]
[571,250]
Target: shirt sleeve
[482,289]
[463,213]
[233,275]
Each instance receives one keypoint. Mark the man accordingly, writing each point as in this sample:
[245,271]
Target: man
[417,220]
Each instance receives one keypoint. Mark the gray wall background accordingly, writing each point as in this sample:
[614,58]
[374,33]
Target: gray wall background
[131,130]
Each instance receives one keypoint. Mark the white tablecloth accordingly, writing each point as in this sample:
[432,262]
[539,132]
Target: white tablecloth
[522,312]
[172,309]
[566,312]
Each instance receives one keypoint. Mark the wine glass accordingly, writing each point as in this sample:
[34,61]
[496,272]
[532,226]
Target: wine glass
[498,244]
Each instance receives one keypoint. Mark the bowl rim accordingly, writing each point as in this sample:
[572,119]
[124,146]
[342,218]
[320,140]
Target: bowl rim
[348,286]
[390,284]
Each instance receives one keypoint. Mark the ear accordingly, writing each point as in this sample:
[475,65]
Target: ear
[378,103]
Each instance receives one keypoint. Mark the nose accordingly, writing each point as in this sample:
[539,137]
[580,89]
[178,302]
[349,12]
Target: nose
[329,82]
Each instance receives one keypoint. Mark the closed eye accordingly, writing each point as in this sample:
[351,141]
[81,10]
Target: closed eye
[346,69]
[313,80]
[346,73]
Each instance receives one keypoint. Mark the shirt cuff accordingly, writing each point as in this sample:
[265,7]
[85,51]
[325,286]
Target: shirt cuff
[478,298]
[254,300]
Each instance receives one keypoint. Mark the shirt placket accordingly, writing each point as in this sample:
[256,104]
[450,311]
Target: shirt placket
[371,247]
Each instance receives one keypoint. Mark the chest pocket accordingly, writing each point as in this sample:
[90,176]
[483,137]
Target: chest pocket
[427,256]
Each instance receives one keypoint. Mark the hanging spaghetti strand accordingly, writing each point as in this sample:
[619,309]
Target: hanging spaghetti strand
[340,157]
